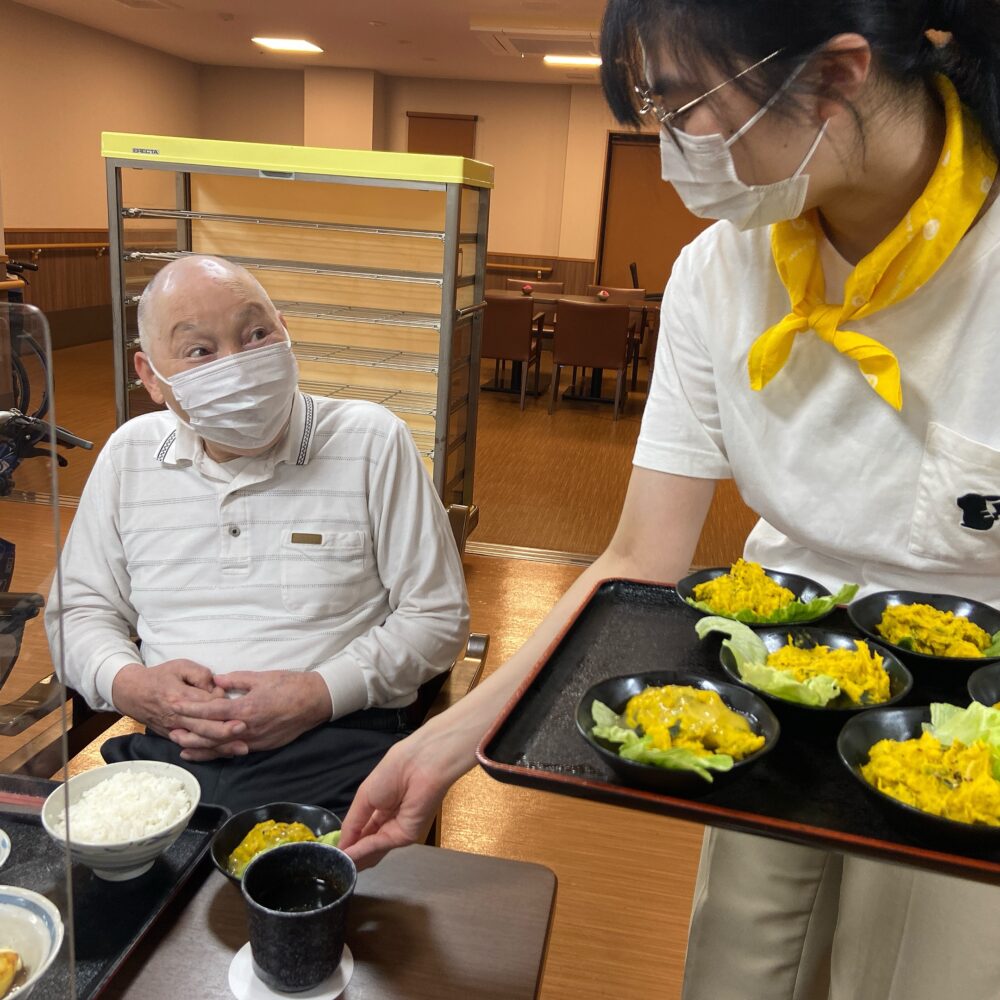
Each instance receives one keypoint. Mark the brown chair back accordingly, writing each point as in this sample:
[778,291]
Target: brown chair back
[591,334]
[507,328]
[619,294]
[546,288]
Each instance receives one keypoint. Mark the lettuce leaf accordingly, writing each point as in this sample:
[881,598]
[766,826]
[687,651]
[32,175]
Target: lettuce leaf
[332,838]
[967,725]
[816,692]
[745,645]
[949,724]
[993,649]
[750,655]
[610,726]
[795,611]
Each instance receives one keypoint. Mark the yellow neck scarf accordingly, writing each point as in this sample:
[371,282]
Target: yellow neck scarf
[904,261]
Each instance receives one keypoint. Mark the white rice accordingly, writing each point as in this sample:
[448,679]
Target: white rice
[127,806]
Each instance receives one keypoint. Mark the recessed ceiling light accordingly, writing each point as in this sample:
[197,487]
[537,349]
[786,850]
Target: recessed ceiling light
[551,60]
[286,44]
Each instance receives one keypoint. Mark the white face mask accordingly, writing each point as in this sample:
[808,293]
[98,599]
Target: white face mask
[702,171]
[239,402]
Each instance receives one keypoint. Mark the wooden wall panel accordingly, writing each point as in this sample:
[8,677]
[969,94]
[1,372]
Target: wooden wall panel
[247,239]
[390,338]
[66,279]
[73,283]
[361,375]
[330,289]
[354,204]
[575,273]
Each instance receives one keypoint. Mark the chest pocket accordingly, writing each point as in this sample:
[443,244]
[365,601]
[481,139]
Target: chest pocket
[956,518]
[323,574]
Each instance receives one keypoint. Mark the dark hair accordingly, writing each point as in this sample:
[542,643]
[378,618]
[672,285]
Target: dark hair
[732,34]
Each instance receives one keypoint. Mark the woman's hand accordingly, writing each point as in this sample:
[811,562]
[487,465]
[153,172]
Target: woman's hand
[655,540]
[398,801]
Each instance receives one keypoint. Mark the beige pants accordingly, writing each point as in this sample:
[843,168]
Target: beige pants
[774,921]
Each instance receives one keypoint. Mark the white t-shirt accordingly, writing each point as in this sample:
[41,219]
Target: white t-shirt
[848,489]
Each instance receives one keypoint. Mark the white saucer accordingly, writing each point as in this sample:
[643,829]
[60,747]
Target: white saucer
[4,847]
[245,985]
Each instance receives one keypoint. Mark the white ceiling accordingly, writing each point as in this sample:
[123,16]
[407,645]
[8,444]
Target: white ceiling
[431,38]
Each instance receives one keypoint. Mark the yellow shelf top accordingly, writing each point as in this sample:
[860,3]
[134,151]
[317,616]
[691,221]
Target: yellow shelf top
[364,163]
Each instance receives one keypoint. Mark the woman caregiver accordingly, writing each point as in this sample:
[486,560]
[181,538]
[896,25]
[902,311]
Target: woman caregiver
[834,346]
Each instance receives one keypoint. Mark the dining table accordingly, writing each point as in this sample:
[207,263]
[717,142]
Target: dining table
[425,924]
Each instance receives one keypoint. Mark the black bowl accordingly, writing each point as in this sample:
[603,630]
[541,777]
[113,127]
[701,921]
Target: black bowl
[802,587]
[820,721]
[867,613]
[230,835]
[984,685]
[856,740]
[615,693]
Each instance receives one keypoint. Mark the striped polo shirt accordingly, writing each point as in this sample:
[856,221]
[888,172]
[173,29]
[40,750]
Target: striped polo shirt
[331,552]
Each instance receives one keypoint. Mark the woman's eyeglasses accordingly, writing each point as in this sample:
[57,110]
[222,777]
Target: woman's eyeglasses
[650,104]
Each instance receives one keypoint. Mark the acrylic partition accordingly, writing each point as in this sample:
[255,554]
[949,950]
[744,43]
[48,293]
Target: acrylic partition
[34,712]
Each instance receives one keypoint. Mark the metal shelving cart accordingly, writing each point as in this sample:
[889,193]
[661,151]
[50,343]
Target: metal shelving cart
[377,261]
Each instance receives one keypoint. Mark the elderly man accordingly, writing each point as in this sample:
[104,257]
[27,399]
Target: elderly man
[283,559]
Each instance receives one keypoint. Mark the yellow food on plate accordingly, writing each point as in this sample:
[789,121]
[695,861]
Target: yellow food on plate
[746,587]
[263,837]
[923,629]
[955,782]
[10,966]
[859,671]
[691,719]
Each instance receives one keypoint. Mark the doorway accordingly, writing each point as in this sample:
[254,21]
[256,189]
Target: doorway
[643,221]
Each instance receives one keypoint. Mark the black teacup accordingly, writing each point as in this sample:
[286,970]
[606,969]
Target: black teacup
[297,897]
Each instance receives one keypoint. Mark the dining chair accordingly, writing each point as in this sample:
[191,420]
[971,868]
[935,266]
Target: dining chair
[591,335]
[637,328]
[512,332]
[547,288]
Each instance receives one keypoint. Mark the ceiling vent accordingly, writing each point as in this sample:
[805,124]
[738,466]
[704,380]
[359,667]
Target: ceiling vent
[537,42]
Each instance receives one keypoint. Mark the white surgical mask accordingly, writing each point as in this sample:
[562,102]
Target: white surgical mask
[239,402]
[703,173]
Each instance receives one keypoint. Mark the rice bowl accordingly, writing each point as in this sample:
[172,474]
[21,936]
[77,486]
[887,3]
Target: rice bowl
[129,805]
[122,816]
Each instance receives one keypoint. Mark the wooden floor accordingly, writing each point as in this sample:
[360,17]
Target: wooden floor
[553,481]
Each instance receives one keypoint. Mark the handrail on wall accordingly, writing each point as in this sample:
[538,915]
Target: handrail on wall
[538,270]
[35,249]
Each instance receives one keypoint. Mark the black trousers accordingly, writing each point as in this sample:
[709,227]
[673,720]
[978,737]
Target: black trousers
[322,767]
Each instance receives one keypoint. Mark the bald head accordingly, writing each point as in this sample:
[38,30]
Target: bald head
[185,282]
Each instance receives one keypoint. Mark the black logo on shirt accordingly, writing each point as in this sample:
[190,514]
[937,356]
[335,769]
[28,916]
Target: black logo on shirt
[978,512]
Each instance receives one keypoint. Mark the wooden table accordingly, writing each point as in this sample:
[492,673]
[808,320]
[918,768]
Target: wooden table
[426,924]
